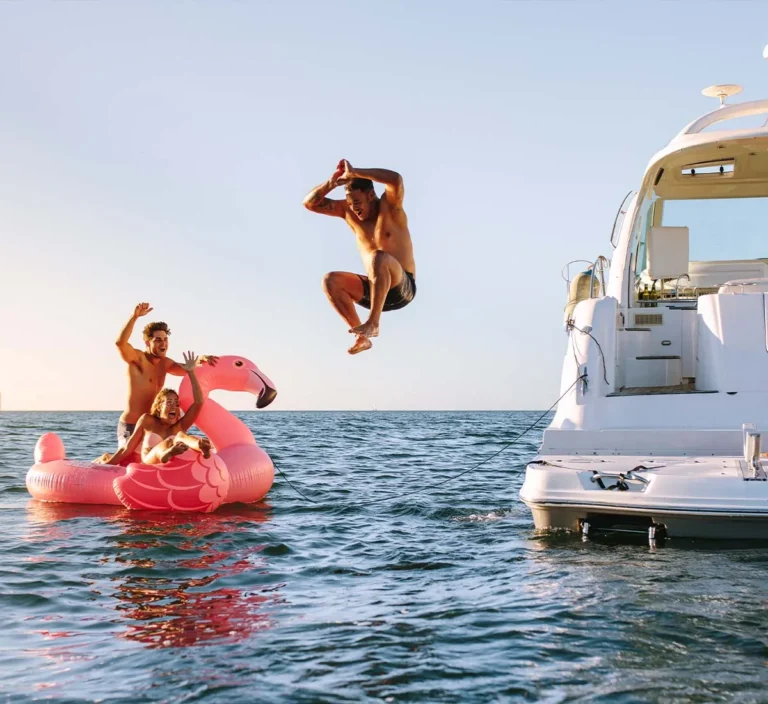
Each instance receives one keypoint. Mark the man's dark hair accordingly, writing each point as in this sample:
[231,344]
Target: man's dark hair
[360,184]
[152,328]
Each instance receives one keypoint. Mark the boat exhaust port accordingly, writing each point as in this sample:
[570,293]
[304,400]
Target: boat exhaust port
[605,526]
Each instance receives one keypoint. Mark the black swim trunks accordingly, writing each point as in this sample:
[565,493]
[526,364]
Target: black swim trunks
[124,432]
[398,297]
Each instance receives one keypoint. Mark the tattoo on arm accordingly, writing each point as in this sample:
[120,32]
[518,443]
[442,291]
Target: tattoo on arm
[317,195]
[317,202]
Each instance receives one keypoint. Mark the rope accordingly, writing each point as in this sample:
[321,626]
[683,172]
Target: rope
[600,349]
[450,479]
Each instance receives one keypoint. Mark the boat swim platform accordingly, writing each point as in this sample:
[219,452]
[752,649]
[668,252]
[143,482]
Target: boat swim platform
[657,391]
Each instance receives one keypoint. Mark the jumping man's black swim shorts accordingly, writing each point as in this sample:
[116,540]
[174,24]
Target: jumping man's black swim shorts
[398,297]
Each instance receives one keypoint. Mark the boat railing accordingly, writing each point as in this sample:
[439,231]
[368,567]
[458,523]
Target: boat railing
[600,266]
[677,284]
[596,270]
[565,272]
[619,219]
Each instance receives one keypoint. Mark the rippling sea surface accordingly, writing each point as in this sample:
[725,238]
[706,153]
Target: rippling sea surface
[443,596]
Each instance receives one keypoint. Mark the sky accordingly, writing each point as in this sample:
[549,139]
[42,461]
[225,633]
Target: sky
[160,152]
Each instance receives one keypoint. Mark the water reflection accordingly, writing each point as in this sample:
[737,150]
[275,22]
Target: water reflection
[168,569]
[648,609]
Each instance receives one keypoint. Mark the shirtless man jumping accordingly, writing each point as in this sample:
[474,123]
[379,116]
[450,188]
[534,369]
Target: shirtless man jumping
[146,369]
[384,241]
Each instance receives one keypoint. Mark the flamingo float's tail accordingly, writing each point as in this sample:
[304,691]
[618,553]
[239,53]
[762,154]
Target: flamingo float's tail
[55,478]
[49,448]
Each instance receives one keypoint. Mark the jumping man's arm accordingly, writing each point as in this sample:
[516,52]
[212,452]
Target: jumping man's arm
[127,351]
[392,181]
[317,202]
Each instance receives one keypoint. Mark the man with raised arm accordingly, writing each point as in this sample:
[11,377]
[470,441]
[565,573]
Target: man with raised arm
[146,369]
[381,228]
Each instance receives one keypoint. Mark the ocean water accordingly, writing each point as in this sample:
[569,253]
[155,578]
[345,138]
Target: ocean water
[446,595]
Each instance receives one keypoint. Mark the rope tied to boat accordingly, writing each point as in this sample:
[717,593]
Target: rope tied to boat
[620,484]
[621,478]
[572,326]
[450,479]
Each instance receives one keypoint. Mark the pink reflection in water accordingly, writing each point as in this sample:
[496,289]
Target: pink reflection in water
[162,612]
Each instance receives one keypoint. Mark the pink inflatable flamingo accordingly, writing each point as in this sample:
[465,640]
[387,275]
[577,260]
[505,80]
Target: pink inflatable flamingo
[240,471]
[189,482]
[251,471]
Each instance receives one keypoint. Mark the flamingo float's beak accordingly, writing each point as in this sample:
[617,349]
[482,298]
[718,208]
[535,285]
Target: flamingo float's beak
[267,394]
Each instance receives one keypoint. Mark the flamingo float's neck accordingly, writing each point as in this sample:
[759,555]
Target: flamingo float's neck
[221,427]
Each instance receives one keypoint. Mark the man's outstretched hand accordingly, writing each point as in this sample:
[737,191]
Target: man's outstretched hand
[141,309]
[190,362]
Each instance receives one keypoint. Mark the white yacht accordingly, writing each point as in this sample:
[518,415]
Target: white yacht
[665,377]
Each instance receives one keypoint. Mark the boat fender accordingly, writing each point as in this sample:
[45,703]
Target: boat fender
[579,291]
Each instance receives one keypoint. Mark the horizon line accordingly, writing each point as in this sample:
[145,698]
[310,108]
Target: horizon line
[310,410]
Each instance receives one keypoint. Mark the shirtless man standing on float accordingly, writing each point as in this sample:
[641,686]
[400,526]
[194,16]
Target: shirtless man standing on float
[381,228]
[146,369]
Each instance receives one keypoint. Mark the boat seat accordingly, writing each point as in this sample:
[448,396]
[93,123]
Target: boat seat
[667,252]
[745,286]
[712,275]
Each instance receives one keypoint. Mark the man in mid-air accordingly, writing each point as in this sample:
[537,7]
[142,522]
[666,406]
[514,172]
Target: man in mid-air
[381,228]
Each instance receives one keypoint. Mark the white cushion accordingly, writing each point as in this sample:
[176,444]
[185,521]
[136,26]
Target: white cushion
[745,286]
[667,252]
[714,274]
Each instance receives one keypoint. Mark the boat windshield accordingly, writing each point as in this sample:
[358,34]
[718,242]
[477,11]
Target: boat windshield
[722,228]
[727,242]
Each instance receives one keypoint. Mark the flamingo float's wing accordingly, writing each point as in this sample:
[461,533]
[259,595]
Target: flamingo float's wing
[188,482]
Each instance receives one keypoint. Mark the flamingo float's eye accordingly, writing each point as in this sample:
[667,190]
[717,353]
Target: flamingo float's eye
[239,363]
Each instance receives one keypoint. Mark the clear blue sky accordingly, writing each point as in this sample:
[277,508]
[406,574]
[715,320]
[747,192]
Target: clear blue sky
[160,151]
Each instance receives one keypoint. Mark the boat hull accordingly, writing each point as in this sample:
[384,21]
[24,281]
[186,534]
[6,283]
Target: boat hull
[712,497]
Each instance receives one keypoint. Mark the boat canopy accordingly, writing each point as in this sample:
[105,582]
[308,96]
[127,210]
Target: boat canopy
[716,163]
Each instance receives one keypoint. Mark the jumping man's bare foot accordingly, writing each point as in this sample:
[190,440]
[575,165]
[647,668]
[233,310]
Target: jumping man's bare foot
[205,447]
[361,344]
[176,449]
[367,329]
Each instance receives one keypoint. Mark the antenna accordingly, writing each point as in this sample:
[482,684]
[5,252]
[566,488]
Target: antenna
[722,91]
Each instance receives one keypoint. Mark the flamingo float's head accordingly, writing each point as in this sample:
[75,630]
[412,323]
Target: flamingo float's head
[233,373]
